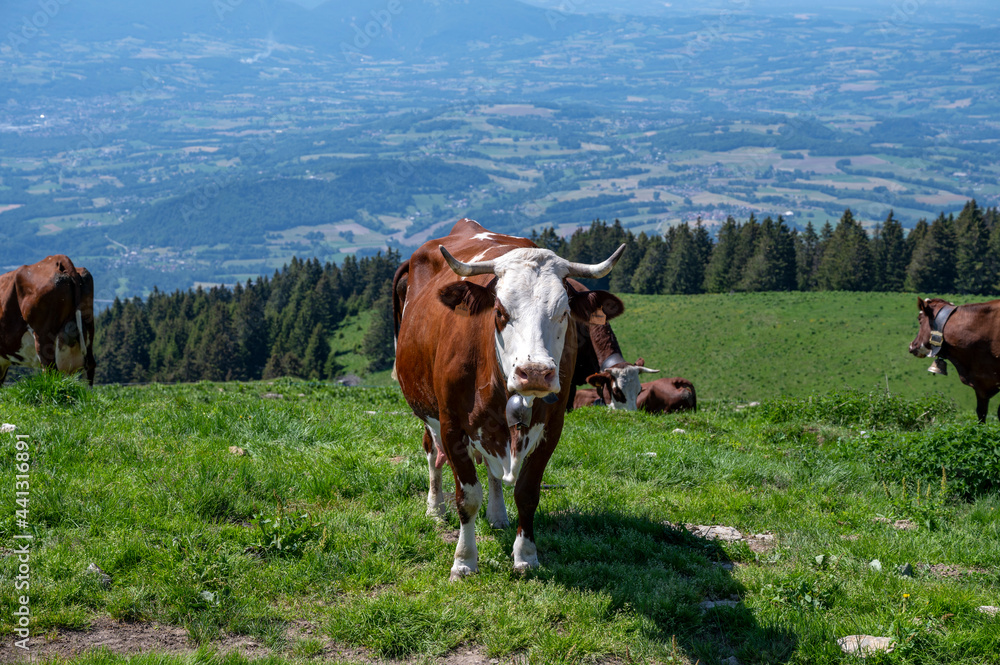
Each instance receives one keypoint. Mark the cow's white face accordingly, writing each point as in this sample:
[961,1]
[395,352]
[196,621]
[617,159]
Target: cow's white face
[532,317]
[627,385]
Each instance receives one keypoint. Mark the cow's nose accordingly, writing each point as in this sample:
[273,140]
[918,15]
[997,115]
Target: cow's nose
[535,377]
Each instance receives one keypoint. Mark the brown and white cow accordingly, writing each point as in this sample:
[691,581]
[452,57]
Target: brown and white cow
[667,396]
[47,317]
[486,362]
[600,355]
[968,336]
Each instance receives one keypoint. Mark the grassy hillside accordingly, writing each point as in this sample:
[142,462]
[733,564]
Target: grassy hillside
[750,346]
[308,540]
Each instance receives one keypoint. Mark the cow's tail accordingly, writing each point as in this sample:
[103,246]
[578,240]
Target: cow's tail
[399,285]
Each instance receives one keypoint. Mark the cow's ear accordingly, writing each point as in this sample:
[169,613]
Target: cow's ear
[599,379]
[595,307]
[604,384]
[640,362]
[920,304]
[468,298]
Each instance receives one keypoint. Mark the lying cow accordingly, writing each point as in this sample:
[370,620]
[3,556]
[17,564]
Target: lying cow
[660,396]
[485,353]
[968,336]
[47,317]
[600,355]
[667,396]
[617,387]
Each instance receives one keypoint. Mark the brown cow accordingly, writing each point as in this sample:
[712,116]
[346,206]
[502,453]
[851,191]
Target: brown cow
[47,317]
[485,362]
[969,337]
[667,396]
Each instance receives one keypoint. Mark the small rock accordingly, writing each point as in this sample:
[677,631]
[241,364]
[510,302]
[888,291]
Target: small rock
[732,660]
[103,577]
[679,431]
[865,645]
[904,525]
[875,565]
[236,450]
[646,455]
[992,610]
[709,604]
[209,597]
[906,570]
[6,428]
[273,396]
[726,533]
[850,536]
[754,404]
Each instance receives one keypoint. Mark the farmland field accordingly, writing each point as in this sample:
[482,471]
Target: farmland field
[286,519]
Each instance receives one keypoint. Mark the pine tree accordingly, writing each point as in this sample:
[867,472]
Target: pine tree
[621,276]
[746,244]
[719,276]
[217,354]
[317,353]
[847,263]
[932,266]
[683,270]
[972,274]
[890,253]
[648,274]
[806,258]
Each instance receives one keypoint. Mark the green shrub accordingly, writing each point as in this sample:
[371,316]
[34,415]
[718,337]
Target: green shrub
[966,455]
[49,388]
[877,409]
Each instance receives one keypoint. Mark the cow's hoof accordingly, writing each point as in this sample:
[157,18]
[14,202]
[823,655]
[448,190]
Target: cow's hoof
[523,566]
[458,571]
[437,512]
[497,520]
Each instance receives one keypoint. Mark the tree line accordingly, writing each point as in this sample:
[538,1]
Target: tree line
[271,327]
[283,325]
[951,254]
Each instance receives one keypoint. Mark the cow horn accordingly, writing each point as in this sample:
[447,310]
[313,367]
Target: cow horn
[466,269]
[594,270]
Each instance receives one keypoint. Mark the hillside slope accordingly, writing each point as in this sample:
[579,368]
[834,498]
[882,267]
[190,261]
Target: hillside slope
[761,345]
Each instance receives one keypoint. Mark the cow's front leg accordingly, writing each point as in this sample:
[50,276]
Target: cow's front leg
[496,511]
[468,500]
[527,490]
[46,351]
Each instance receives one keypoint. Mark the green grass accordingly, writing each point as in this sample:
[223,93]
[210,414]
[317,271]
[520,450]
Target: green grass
[751,346]
[141,482]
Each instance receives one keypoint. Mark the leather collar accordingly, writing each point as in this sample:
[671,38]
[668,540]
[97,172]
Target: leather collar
[937,328]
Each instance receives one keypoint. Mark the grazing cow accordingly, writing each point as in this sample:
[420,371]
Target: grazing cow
[485,361]
[969,337]
[47,317]
[667,396]
[600,355]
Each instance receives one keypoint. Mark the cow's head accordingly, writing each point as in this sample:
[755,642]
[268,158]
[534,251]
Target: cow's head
[618,383]
[928,309]
[531,305]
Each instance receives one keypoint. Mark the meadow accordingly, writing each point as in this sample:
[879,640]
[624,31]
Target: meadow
[285,521]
